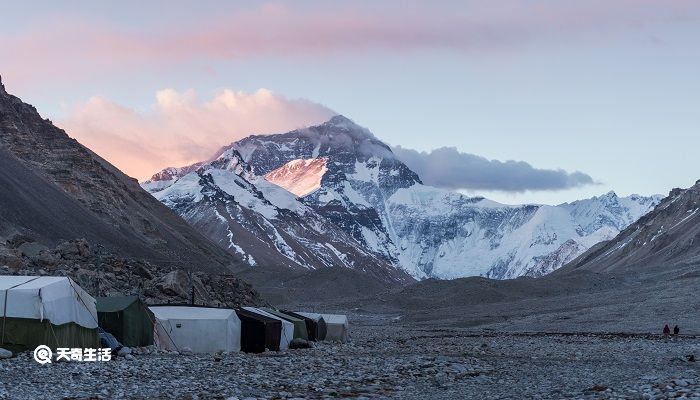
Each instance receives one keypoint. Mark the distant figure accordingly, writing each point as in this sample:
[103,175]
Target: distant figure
[676,330]
[667,330]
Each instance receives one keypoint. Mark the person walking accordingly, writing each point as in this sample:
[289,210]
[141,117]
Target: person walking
[667,331]
[676,330]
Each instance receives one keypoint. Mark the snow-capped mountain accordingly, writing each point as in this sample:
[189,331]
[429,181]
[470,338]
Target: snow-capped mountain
[260,221]
[427,231]
[662,240]
[353,181]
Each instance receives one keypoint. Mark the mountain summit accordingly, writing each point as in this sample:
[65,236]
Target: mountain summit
[262,222]
[350,179]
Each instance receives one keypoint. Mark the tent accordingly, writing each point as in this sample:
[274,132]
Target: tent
[287,332]
[127,318]
[315,328]
[299,324]
[201,329]
[259,332]
[48,310]
[336,325]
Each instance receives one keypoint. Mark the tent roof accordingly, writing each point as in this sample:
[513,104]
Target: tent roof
[116,303]
[245,313]
[329,318]
[180,312]
[56,298]
[7,282]
[29,282]
[267,314]
[282,315]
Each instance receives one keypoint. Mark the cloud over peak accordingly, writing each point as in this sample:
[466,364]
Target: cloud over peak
[180,128]
[449,168]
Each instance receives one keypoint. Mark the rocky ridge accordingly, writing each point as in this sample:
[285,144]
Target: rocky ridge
[101,273]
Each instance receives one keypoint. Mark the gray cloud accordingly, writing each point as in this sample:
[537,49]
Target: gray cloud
[448,168]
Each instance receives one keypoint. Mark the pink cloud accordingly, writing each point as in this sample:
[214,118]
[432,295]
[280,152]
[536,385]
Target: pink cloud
[68,46]
[181,129]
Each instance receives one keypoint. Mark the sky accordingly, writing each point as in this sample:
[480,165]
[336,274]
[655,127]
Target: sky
[522,101]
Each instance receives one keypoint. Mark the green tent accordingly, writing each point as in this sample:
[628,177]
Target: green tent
[48,310]
[127,318]
[300,330]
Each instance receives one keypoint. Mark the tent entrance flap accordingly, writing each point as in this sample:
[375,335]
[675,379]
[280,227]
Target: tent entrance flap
[127,318]
[251,324]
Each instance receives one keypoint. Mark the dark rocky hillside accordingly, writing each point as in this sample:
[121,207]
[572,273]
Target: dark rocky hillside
[55,189]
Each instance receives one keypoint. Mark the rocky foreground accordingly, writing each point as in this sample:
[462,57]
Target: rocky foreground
[386,360]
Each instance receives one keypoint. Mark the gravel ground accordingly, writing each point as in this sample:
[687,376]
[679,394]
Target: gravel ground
[387,360]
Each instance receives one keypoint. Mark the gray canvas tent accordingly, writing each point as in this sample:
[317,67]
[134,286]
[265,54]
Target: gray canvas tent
[201,329]
[316,328]
[337,325]
[46,310]
[300,330]
[127,318]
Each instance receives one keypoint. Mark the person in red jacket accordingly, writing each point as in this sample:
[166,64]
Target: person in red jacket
[667,331]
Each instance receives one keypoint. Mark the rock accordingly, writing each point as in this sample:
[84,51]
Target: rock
[299,343]
[175,283]
[11,258]
[73,250]
[5,353]
[32,249]
[124,351]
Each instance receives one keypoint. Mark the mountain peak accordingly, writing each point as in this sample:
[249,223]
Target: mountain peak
[610,196]
[340,120]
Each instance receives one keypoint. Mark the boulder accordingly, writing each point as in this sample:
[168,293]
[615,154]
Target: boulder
[175,283]
[5,353]
[11,258]
[74,250]
[32,249]
[124,351]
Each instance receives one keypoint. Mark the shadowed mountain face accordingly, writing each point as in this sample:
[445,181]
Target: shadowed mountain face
[55,189]
[666,238]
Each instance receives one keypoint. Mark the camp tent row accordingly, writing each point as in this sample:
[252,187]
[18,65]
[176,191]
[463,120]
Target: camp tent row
[56,312]
[336,325]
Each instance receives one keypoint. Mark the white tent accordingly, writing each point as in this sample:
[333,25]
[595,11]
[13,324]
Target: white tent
[337,325]
[201,329]
[51,310]
[287,333]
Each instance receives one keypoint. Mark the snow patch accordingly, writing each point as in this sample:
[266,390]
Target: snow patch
[300,176]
